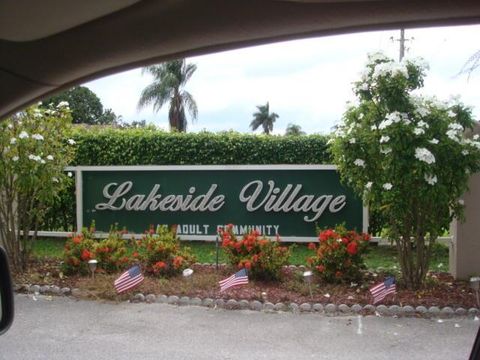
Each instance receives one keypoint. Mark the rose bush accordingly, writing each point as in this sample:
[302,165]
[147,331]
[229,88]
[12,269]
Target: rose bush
[338,255]
[409,156]
[261,257]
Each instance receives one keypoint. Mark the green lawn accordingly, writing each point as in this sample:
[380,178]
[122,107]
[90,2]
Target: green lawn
[377,257]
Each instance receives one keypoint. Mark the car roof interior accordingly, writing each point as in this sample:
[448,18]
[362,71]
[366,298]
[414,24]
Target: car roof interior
[50,45]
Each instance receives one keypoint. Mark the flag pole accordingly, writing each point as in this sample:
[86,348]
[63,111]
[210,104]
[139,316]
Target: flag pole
[216,249]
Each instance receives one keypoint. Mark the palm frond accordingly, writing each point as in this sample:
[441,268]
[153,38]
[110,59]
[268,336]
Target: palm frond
[190,104]
[470,65]
[189,70]
[156,94]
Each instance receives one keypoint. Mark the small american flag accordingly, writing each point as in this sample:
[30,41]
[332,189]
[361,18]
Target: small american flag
[381,290]
[129,279]
[239,278]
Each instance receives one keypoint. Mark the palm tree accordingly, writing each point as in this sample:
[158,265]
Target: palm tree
[168,85]
[294,130]
[263,118]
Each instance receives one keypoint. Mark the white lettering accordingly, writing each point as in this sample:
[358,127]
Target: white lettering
[250,200]
[121,190]
[117,199]
[340,201]
[276,200]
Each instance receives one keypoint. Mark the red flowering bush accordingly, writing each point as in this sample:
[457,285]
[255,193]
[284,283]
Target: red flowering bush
[161,254]
[339,255]
[111,253]
[261,257]
[78,250]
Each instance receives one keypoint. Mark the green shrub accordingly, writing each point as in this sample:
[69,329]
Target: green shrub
[111,253]
[339,255]
[161,254]
[261,257]
[110,146]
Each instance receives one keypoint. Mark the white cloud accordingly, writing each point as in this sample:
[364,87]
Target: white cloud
[307,82]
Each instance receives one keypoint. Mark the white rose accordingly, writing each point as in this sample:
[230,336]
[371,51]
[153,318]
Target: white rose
[387,186]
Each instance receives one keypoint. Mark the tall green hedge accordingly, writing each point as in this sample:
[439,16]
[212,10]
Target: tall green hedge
[149,147]
[146,146]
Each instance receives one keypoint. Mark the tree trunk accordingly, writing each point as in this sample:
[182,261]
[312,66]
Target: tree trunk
[414,258]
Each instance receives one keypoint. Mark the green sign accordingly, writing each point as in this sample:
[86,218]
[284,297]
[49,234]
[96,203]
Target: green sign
[288,200]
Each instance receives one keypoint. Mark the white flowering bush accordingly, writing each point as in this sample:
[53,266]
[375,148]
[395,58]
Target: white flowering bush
[408,156]
[35,151]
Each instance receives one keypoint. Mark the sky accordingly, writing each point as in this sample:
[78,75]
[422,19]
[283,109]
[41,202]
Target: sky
[307,82]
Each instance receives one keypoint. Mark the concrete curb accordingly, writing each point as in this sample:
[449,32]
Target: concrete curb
[328,309]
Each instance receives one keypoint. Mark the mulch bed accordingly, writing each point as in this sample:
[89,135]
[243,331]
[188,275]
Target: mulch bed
[441,289]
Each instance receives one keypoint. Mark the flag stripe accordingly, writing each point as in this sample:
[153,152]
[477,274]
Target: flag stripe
[129,279]
[239,278]
[239,281]
[223,288]
[232,281]
[130,283]
[224,281]
[380,291]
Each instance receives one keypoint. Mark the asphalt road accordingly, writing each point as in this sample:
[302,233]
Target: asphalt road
[63,328]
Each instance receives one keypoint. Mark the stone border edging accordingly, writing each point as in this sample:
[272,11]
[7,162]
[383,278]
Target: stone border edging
[329,309]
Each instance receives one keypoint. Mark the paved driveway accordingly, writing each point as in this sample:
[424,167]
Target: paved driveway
[63,328]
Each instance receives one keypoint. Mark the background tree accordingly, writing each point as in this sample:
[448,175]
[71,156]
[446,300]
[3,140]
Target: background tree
[263,118]
[294,130]
[85,106]
[169,80]
[408,156]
